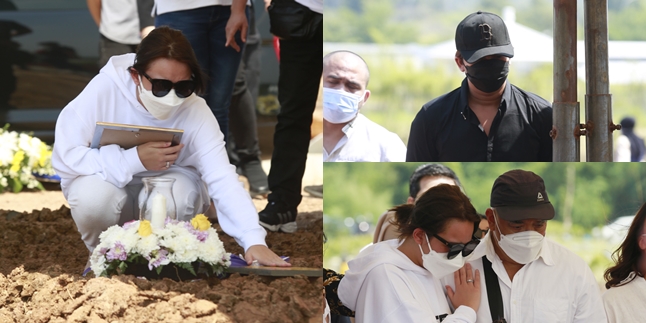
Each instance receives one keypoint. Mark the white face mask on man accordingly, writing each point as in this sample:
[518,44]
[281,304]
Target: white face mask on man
[160,108]
[340,106]
[521,247]
[438,263]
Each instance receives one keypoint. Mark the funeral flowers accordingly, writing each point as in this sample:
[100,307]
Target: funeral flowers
[22,156]
[194,246]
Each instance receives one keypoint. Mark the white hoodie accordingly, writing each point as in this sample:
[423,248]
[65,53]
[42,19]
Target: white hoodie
[110,97]
[384,285]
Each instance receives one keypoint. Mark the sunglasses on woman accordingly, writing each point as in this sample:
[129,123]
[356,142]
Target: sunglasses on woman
[161,87]
[457,248]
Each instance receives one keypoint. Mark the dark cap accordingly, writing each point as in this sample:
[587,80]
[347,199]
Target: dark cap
[519,195]
[482,34]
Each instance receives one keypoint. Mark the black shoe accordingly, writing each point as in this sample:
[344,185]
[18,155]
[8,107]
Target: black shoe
[278,217]
[256,177]
[314,190]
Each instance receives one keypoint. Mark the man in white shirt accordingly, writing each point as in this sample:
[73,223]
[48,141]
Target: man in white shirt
[348,136]
[539,280]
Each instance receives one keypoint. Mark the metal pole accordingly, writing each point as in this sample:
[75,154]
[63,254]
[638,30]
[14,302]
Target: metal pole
[598,105]
[565,129]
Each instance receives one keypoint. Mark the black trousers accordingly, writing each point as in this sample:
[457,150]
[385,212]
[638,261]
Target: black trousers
[301,66]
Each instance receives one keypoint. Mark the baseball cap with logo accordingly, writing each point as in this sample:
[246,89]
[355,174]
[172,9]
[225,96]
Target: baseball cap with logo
[518,195]
[482,34]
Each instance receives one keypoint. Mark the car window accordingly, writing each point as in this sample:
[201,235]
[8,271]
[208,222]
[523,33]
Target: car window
[23,5]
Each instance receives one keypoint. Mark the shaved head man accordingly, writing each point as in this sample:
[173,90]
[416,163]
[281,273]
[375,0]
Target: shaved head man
[347,134]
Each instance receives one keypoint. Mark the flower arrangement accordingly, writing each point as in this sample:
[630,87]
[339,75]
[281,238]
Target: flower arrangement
[22,155]
[187,245]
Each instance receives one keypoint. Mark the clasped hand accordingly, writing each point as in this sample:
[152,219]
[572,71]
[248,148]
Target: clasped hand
[158,155]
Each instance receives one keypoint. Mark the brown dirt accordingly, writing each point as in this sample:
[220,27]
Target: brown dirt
[42,256]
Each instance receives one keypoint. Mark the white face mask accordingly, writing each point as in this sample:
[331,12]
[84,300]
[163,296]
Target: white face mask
[438,264]
[522,247]
[160,108]
[339,106]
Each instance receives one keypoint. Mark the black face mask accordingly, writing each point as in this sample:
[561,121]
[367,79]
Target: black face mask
[488,75]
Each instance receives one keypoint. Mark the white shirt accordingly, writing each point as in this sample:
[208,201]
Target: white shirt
[120,21]
[366,141]
[314,5]
[626,303]
[558,287]
[382,285]
[110,97]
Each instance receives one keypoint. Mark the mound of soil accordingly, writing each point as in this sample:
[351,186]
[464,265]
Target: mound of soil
[42,256]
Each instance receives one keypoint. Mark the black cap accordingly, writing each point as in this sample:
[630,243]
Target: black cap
[482,34]
[519,195]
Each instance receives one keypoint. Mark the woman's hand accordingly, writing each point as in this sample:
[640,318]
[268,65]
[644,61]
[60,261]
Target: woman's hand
[158,155]
[467,288]
[264,256]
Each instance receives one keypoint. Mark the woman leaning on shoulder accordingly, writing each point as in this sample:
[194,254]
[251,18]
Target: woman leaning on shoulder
[398,280]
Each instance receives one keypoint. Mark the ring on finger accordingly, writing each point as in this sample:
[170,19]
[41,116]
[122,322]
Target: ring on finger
[167,164]
[469,280]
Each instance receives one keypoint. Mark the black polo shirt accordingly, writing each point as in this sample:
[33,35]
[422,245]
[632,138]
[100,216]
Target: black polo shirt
[446,129]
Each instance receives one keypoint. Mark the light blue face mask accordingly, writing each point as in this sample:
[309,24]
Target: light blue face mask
[339,106]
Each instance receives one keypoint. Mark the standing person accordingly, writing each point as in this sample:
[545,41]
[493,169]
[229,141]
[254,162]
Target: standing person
[122,24]
[348,135]
[398,280]
[530,278]
[243,148]
[630,147]
[217,30]
[298,87]
[626,295]
[153,87]
[487,118]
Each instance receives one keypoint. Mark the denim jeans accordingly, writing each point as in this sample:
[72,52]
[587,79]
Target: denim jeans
[301,65]
[205,30]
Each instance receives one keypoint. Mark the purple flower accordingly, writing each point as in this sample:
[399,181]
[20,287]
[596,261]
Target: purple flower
[117,252]
[200,235]
[128,224]
[102,251]
[159,256]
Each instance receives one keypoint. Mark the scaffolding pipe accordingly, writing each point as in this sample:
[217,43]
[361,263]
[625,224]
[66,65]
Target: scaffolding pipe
[598,104]
[565,114]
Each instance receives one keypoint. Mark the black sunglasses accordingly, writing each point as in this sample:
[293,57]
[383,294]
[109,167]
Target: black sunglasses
[161,87]
[457,248]
[480,233]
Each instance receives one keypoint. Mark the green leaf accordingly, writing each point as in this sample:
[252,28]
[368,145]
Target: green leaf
[187,266]
[122,266]
[17,186]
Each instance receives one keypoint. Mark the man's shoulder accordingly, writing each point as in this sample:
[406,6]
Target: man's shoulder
[438,106]
[375,130]
[534,100]
[562,256]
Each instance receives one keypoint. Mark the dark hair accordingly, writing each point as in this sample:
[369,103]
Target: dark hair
[627,256]
[429,170]
[165,42]
[433,211]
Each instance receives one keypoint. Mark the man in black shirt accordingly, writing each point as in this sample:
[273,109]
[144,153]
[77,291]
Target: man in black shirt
[487,118]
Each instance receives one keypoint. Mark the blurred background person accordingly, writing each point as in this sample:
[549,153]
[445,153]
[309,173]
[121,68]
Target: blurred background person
[122,24]
[626,295]
[243,147]
[422,179]
[629,147]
